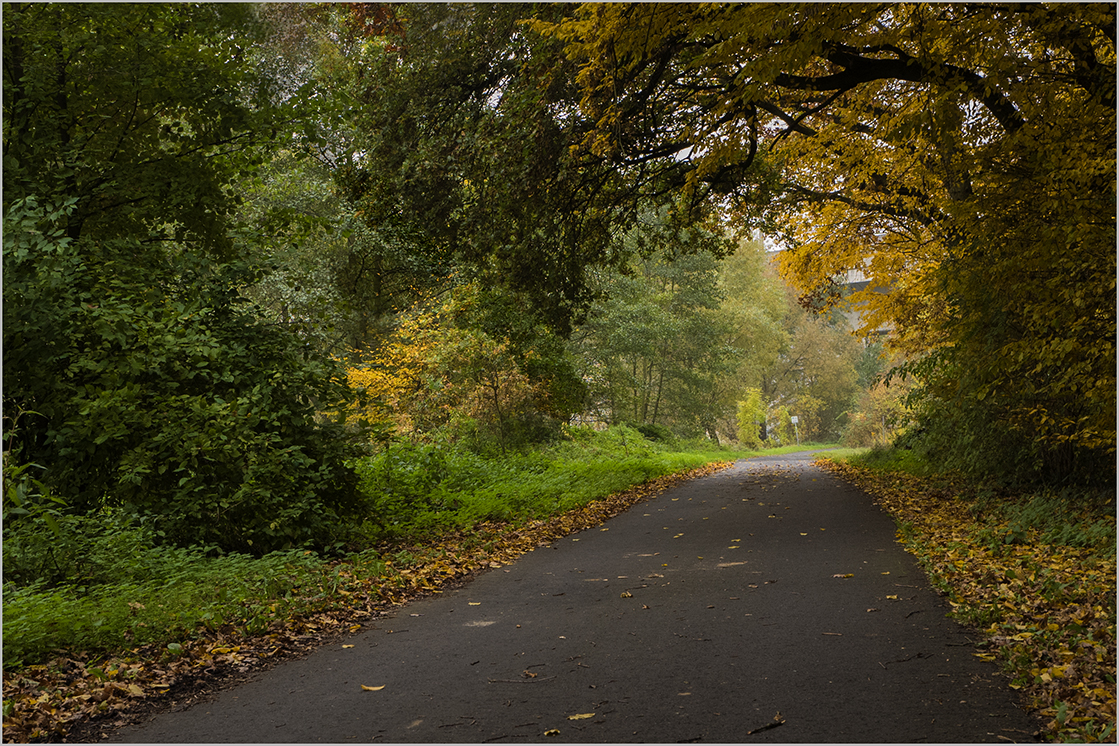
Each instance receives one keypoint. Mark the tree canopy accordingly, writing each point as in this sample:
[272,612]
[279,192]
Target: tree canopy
[962,155]
[137,378]
[209,207]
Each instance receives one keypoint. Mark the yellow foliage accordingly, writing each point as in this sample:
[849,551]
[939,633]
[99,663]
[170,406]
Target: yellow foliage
[961,156]
[431,372]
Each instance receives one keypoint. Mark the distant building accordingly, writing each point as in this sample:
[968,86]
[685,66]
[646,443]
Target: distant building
[856,280]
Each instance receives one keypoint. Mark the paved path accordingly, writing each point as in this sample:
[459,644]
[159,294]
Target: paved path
[700,615]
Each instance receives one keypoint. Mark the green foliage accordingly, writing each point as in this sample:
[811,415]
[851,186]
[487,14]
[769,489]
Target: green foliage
[655,433]
[534,346]
[166,397]
[473,136]
[156,391]
[140,114]
[889,458]
[421,490]
[333,280]
[655,347]
[139,594]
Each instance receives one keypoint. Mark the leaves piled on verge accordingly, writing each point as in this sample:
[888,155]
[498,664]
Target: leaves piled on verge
[50,701]
[1047,610]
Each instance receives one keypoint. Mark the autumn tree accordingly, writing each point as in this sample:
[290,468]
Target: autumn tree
[959,154]
[451,371]
[751,419]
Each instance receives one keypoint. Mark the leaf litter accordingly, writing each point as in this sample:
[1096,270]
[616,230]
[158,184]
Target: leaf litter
[82,696]
[1046,611]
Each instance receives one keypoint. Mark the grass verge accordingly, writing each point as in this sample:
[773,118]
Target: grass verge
[163,622]
[1035,573]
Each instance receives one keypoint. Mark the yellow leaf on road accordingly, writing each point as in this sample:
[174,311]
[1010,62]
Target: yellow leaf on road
[583,716]
[372,688]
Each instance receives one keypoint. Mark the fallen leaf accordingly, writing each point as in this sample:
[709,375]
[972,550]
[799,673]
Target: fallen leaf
[474,603]
[844,575]
[347,646]
[372,688]
[583,716]
[627,594]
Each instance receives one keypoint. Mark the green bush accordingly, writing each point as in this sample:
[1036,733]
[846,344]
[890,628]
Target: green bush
[166,397]
[655,433]
[418,490]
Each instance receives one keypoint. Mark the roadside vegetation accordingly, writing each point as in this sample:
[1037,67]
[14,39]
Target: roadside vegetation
[124,620]
[299,298]
[1033,571]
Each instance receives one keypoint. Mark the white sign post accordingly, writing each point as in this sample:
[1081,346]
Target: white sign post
[794,420]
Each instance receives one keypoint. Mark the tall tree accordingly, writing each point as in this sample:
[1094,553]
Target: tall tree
[961,154]
[145,383]
[471,119]
[656,345]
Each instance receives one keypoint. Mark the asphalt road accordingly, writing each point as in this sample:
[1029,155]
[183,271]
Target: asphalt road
[766,603]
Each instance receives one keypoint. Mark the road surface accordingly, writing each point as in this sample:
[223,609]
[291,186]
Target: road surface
[765,603]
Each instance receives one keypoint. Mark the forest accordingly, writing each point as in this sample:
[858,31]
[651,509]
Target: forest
[287,285]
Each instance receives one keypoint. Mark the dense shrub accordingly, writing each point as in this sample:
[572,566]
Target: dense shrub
[164,396]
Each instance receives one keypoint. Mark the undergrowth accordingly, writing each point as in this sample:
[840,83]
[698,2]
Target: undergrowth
[1035,573]
[98,616]
[99,584]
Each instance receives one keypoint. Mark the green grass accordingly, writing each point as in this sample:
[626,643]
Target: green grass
[886,459]
[99,585]
[425,490]
[189,593]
